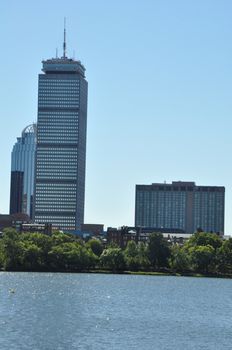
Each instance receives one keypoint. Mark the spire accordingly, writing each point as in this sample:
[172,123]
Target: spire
[64,43]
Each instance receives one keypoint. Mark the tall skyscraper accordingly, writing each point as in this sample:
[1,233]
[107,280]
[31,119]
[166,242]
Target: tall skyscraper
[22,172]
[180,205]
[61,143]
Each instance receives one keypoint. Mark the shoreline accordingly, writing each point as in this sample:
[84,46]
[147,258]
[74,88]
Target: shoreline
[137,273]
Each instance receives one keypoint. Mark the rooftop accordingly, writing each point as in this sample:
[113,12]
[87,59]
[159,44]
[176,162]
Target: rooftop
[63,65]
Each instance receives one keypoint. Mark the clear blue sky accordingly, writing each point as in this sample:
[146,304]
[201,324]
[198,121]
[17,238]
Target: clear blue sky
[160,86]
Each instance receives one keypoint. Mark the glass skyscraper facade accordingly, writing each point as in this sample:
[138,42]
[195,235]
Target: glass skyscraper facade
[61,144]
[180,205]
[22,172]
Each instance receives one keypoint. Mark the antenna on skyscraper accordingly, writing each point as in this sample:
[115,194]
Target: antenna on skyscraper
[64,44]
[56,52]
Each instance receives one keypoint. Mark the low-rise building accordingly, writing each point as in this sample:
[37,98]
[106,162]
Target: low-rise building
[94,229]
[124,234]
[13,220]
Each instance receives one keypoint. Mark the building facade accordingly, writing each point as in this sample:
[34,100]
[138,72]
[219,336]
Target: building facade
[94,229]
[61,143]
[13,220]
[125,234]
[180,205]
[22,172]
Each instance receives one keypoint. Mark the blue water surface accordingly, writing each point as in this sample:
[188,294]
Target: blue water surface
[55,311]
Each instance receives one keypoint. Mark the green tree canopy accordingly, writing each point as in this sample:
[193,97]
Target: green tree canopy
[131,255]
[143,256]
[71,255]
[224,257]
[11,249]
[158,250]
[113,259]
[179,260]
[204,239]
[95,245]
[31,256]
[202,257]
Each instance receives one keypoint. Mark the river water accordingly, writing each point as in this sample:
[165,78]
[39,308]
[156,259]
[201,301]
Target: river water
[55,311]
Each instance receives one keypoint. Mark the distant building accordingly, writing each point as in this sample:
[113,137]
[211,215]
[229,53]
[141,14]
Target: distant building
[180,205]
[22,172]
[16,192]
[61,143]
[38,228]
[94,229]
[124,234]
[22,223]
[14,221]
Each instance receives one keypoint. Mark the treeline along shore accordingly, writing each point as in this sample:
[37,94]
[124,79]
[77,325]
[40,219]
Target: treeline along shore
[204,253]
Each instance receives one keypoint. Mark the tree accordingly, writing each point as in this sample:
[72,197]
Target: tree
[202,257]
[131,255]
[30,256]
[158,250]
[179,259]
[11,249]
[43,243]
[143,256]
[60,237]
[113,259]
[204,239]
[71,256]
[202,248]
[224,257]
[95,245]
